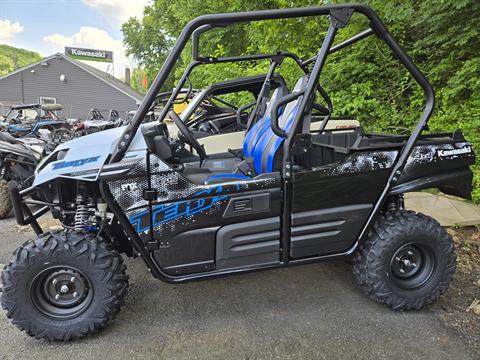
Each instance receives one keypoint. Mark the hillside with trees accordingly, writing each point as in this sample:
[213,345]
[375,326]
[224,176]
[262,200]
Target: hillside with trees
[364,81]
[12,58]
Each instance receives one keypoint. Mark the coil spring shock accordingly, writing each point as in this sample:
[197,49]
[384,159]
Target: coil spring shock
[81,213]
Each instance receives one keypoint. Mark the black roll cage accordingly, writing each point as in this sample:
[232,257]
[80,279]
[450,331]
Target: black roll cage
[339,16]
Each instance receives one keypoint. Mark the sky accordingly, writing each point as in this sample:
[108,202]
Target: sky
[47,26]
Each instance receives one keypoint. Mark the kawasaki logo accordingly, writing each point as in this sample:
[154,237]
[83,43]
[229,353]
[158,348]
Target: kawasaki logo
[89,54]
[453,152]
[74,163]
[93,53]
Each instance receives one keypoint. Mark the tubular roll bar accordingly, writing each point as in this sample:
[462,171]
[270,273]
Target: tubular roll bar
[232,18]
[361,35]
[339,17]
[274,119]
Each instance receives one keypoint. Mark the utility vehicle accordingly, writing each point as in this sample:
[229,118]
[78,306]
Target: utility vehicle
[34,119]
[18,159]
[291,196]
[95,122]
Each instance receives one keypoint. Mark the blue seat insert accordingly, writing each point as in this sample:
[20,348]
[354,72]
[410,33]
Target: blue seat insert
[263,123]
[269,143]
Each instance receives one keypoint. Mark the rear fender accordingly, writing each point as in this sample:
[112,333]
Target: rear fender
[457,183]
[445,166]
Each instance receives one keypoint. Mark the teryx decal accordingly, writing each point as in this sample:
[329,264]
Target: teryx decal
[75,163]
[167,212]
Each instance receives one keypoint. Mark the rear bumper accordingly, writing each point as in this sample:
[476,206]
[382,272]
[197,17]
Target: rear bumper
[23,214]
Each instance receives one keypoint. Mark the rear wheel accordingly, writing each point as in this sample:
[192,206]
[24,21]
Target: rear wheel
[406,262]
[5,202]
[63,286]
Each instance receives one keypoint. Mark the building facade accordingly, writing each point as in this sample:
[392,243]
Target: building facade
[76,85]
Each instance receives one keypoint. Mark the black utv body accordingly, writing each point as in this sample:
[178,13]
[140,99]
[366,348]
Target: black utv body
[291,196]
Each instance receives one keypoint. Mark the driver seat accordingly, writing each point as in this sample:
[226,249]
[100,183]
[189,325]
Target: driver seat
[227,162]
[268,148]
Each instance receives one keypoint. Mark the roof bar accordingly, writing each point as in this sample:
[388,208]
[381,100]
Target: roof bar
[344,44]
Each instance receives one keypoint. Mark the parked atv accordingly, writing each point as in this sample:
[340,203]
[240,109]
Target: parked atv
[18,159]
[95,122]
[290,196]
[149,117]
[28,120]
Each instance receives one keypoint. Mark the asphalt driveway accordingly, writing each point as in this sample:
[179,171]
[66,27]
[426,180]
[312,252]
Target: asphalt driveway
[309,312]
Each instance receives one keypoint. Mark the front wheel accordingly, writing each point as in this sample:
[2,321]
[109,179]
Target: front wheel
[406,262]
[63,286]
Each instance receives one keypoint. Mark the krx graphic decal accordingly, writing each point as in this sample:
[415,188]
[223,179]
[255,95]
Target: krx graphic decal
[75,163]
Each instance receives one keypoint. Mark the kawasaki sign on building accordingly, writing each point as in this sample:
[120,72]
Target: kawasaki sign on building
[89,54]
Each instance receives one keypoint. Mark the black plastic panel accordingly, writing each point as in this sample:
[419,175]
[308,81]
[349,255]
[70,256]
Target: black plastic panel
[327,231]
[248,243]
[252,204]
[189,252]
[314,190]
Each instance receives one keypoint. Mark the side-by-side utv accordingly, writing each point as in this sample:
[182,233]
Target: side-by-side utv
[291,195]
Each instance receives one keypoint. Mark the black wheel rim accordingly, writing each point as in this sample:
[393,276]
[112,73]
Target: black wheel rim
[412,265]
[61,292]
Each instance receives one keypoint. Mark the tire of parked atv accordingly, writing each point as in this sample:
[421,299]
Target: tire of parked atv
[406,262]
[63,286]
[5,202]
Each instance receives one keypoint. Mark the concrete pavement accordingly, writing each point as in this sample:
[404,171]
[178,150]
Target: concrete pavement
[447,210]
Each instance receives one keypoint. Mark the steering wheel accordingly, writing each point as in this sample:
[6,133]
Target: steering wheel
[187,135]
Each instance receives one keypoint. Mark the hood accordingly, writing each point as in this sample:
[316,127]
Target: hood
[84,157]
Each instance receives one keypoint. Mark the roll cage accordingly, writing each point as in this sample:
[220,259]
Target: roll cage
[339,17]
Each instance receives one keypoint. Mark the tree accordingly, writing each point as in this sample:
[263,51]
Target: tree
[12,58]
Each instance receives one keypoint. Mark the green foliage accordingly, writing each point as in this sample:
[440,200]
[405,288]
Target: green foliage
[137,80]
[364,81]
[7,56]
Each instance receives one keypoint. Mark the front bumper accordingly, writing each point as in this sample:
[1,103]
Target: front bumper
[23,214]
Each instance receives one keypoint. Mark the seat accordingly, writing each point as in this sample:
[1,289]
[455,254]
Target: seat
[269,144]
[227,162]
[256,131]
[263,144]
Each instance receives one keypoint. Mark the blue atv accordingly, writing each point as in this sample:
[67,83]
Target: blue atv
[28,119]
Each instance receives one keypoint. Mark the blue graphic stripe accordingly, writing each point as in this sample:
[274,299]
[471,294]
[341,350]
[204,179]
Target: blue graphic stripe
[168,212]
